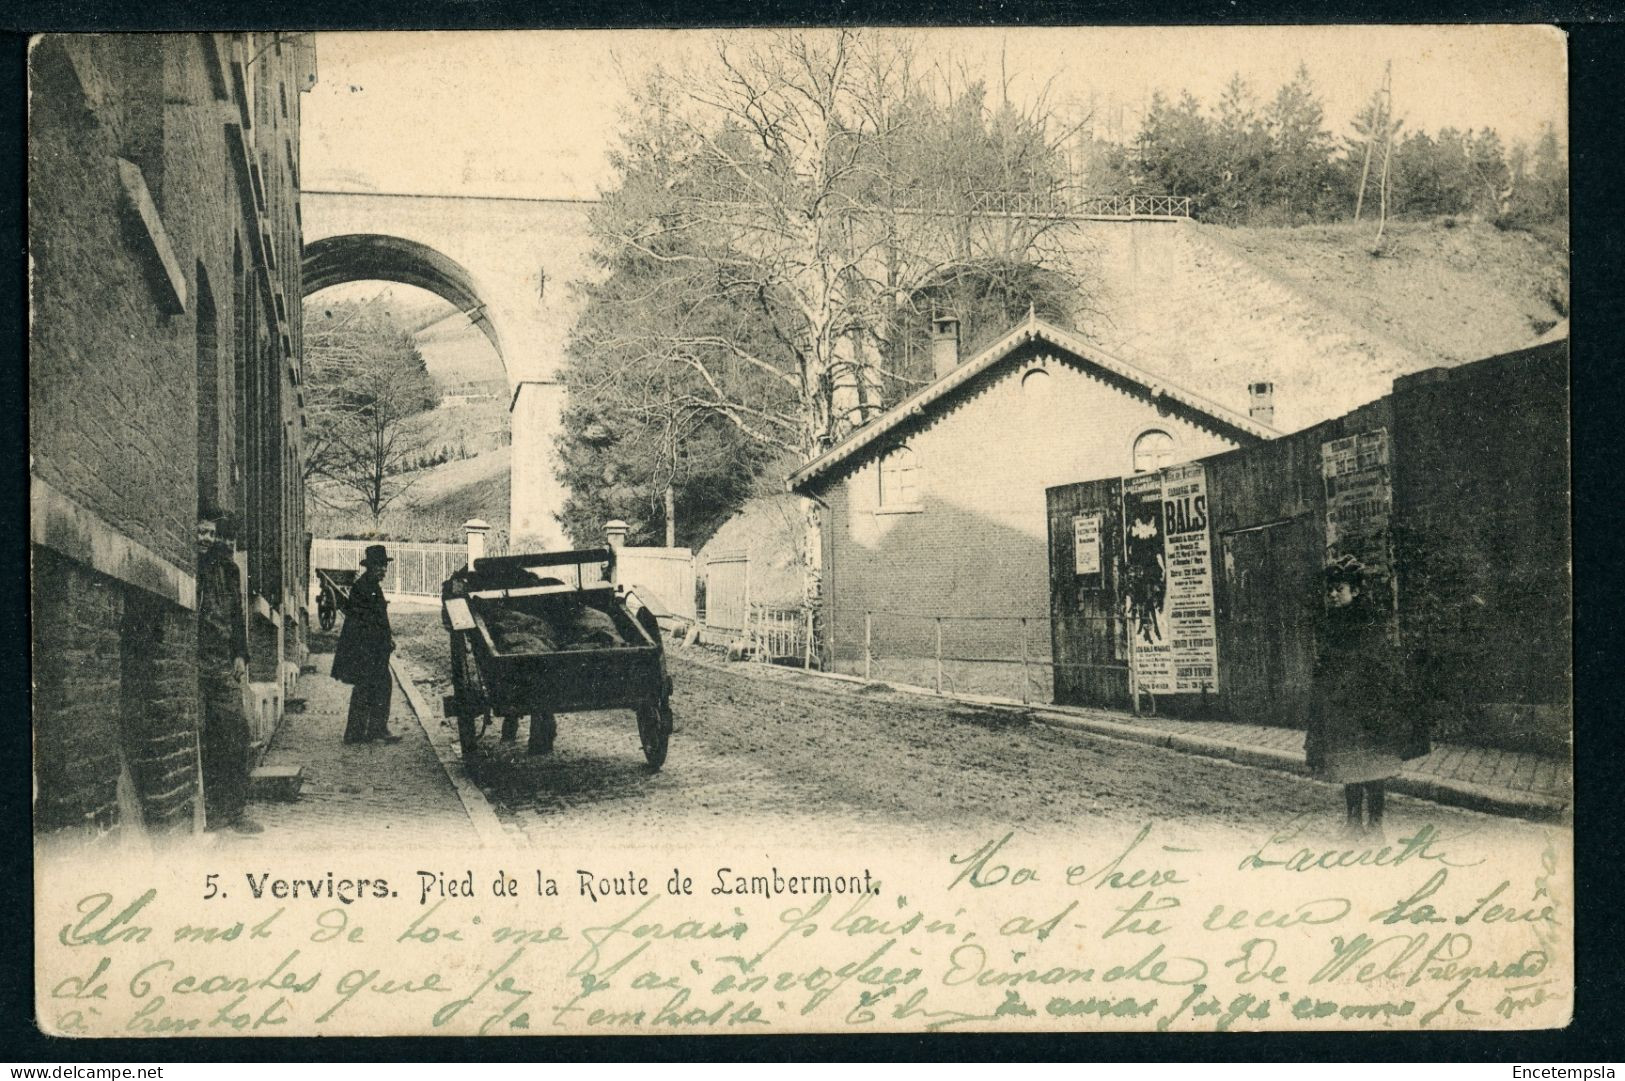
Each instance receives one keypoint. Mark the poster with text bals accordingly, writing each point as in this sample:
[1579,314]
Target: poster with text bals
[1193,652]
[1145,581]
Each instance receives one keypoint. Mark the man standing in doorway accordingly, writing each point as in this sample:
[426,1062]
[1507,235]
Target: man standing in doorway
[362,655]
[222,655]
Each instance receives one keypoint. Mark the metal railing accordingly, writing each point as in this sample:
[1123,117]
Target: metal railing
[1047,204]
[780,634]
[1006,655]
[1135,206]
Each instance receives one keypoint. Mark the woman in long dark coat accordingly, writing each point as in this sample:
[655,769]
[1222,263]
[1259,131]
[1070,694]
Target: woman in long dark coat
[362,655]
[1360,729]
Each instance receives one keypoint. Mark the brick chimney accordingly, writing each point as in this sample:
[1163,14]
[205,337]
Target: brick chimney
[1261,402]
[944,344]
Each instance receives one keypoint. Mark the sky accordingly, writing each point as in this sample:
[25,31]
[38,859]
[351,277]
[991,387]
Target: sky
[534,114]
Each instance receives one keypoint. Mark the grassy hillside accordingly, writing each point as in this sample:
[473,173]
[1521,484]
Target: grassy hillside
[473,488]
[1457,291]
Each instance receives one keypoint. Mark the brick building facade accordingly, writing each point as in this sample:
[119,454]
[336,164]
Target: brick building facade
[164,373]
[936,508]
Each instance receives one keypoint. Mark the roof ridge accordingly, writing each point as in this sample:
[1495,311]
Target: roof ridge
[1032,328]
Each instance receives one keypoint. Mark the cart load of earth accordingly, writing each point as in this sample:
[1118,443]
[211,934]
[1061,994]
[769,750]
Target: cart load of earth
[547,628]
[560,629]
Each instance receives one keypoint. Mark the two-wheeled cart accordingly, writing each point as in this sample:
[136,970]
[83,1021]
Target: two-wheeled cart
[332,590]
[547,634]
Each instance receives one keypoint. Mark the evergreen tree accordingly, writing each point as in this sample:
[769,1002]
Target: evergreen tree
[1299,171]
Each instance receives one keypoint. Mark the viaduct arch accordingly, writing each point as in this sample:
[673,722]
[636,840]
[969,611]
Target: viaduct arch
[368,256]
[508,264]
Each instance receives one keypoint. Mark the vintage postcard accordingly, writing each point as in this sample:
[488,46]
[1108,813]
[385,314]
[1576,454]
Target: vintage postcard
[825,531]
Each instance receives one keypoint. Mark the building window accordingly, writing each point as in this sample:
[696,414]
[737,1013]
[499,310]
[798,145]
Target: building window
[208,394]
[1153,450]
[899,481]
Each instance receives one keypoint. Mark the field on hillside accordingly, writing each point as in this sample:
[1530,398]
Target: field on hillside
[1458,292]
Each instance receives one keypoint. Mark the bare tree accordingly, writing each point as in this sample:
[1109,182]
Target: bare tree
[368,394]
[788,206]
[808,181]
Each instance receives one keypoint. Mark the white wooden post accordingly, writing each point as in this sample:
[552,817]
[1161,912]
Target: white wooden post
[474,532]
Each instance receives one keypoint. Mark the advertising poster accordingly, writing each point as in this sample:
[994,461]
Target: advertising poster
[1359,503]
[1169,581]
[1086,543]
[1145,581]
[1189,597]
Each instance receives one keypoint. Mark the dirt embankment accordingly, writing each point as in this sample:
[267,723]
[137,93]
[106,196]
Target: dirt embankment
[1449,289]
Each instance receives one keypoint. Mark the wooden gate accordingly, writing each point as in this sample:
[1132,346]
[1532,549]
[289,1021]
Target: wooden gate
[667,574]
[1267,606]
[1088,636]
[727,591]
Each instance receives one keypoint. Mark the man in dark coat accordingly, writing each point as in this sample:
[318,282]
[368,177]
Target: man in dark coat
[362,656]
[222,664]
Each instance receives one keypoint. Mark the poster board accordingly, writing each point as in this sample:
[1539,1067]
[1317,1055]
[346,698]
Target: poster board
[1168,587]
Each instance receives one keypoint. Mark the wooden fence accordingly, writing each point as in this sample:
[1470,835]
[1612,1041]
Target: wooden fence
[666,574]
[417,570]
[1453,491]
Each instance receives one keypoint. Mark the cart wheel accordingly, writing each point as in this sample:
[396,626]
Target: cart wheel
[654,730]
[463,677]
[467,739]
[544,729]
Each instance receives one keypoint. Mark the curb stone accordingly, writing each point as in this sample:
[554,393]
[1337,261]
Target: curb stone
[480,815]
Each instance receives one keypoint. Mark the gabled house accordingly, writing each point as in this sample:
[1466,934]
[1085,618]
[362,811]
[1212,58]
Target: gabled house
[934,538]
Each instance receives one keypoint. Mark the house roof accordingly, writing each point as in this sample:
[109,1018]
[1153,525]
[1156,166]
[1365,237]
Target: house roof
[1031,329]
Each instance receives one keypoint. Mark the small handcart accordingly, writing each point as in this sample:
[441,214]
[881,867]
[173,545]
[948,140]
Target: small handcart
[552,633]
[332,590]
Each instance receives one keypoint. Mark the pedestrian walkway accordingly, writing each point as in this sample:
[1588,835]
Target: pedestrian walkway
[357,796]
[1480,778]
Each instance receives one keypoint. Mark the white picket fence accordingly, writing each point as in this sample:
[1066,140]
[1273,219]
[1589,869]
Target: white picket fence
[417,570]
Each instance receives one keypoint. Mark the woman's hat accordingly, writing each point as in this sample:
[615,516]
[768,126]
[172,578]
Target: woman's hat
[1345,568]
[376,556]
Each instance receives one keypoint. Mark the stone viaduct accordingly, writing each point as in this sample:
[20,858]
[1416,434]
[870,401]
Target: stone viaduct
[509,265]
[1167,293]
